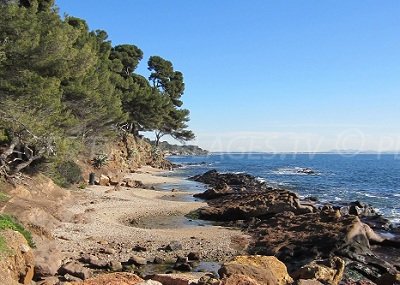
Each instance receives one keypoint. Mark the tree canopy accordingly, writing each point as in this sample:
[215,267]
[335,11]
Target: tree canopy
[62,84]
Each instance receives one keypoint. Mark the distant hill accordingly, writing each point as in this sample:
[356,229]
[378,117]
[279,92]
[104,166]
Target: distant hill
[172,149]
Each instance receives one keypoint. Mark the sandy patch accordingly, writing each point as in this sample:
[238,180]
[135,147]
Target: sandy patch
[105,219]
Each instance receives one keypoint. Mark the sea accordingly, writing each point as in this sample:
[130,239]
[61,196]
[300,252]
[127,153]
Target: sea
[336,178]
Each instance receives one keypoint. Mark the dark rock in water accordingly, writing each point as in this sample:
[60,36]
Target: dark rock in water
[377,222]
[237,182]
[195,256]
[360,209]
[248,205]
[173,245]
[306,170]
[182,264]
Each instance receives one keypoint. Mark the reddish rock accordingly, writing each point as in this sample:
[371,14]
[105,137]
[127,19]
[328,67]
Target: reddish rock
[238,279]
[118,278]
[175,279]
[263,269]
[104,180]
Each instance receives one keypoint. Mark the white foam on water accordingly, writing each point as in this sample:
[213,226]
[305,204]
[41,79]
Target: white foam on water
[260,179]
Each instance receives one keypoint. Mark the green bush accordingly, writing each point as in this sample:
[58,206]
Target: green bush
[100,160]
[3,197]
[8,222]
[65,173]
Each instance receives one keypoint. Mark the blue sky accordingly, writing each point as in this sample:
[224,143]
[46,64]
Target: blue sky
[271,75]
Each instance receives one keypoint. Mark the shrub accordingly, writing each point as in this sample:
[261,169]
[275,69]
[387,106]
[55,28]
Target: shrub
[3,197]
[100,160]
[8,222]
[68,172]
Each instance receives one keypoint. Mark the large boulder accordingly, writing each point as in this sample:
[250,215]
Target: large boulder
[17,259]
[48,260]
[266,270]
[238,279]
[257,204]
[238,182]
[104,180]
[329,271]
[75,269]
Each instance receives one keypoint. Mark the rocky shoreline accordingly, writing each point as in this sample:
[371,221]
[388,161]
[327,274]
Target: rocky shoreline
[299,232]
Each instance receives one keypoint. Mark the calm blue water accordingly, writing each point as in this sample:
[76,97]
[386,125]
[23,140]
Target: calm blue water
[370,178]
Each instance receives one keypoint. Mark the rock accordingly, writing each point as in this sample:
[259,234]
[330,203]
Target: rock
[257,204]
[139,248]
[104,180]
[326,271]
[173,245]
[131,183]
[150,282]
[95,262]
[212,193]
[195,256]
[308,282]
[158,260]
[29,273]
[75,269]
[306,170]
[239,279]
[117,278]
[108,250]
[115,266]
[263,269]
[182,264]
[175,279]
[16,264]
[48,260]
[235,180]
[137,260]
[389,279]
[52,280]
[114,179]
[71,278]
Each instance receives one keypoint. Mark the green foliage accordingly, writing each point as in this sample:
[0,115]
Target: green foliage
[70,172]
[82,186]
[100,160]
[62,87]
[8,222]
[4,197]
[3,245]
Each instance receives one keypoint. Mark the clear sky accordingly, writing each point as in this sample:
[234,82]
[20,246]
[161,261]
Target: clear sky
[262,75]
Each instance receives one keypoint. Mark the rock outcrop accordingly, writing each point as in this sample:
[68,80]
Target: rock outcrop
[17,259]
[266,270]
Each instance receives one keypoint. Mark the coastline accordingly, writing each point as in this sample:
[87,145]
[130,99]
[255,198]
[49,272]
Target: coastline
[104,224]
